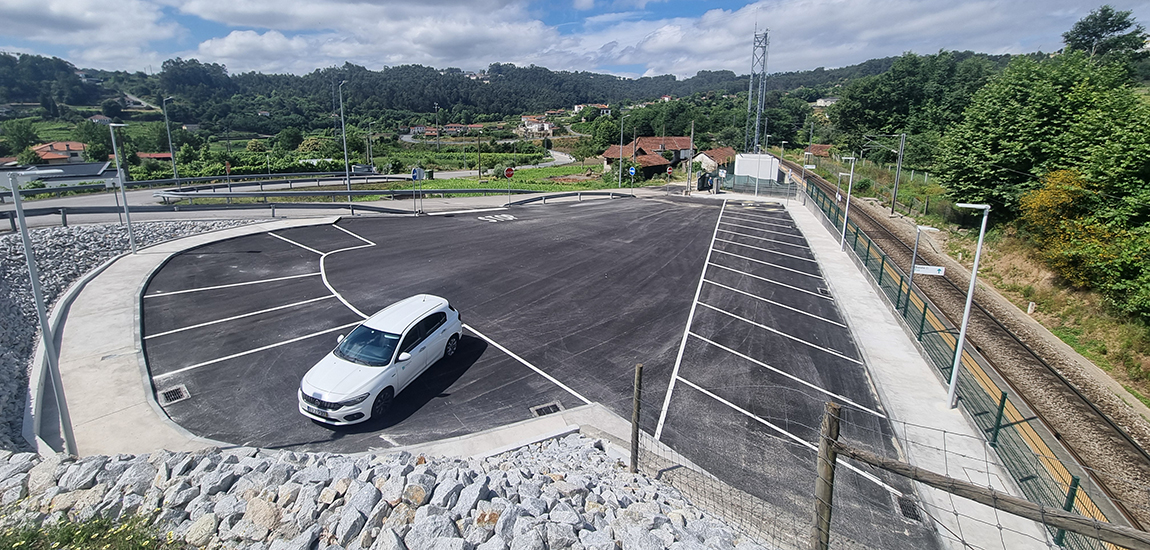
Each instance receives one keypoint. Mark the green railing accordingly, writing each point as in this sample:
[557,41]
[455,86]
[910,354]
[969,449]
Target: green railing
[1024,454]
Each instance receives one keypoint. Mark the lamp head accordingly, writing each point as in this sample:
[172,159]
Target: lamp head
[169,98]
[852,159]
[984,207]
[927,228]
[115,125]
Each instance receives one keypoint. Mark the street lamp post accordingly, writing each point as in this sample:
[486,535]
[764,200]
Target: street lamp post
[806,161]
[370,153]
[621,117]
[847,212]
[171,150]
[437,132]
[343,130]
[914,258]
[766,143]
[120,177]
[42,313]
[952,393]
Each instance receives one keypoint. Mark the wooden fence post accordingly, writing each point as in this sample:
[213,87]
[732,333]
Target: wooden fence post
[825,482]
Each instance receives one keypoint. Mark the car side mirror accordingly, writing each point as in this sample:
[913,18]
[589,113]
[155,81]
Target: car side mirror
[339,339]
[403,357]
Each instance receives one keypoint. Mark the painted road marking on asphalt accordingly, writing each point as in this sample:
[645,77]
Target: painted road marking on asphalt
[752,228]
[769,251]
[815,387]
[349,232]
[528,365]
[783,226]
[764,279]
[754,214]
[687,329]
[772,302]
[209,323]
[775,232]
[474,210]
[776,266]
[323,271]
[285,239]
[783,334]
[790,436]
[768,240]
[251,351]
[217,287]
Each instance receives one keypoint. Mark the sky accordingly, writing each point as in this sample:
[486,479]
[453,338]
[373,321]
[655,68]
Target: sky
[629,38]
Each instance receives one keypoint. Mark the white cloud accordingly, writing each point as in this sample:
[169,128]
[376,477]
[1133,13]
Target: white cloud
[301,35]
[94,33]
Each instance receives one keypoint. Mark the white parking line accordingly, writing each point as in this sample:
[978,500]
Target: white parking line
[791,436]
[687,329]
[774,218]
[529,365]
[285,239]
[792,226]
[209,323]
[776,266]
[251,351]
[217,287]
[773,282]
[844,399]
[774,303]
[768,230]
[768,240]
[345,230]
[783,334]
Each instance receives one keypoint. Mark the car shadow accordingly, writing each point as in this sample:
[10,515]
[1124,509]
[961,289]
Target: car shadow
[431,384]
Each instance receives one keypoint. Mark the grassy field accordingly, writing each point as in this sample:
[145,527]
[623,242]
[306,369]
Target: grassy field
[98,534]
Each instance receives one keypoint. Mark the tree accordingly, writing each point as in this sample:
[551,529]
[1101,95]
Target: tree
[20,134]
[256,146]
[1107,33]
[28,156]
[111,108]
[289,138]
[584,149]
[1030,120]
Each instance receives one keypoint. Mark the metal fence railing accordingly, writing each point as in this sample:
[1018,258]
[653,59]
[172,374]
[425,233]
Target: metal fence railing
[755,186]
[1032,464]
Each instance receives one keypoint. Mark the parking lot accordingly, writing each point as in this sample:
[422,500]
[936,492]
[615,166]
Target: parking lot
[724,305]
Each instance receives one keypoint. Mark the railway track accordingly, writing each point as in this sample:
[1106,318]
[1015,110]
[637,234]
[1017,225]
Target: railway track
[1091,423]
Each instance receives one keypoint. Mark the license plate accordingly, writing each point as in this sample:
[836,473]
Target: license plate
[315,411]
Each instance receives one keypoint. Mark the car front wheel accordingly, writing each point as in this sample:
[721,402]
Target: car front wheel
[452,344]
[382,402]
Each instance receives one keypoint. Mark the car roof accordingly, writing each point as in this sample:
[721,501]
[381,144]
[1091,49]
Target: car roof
[397,317]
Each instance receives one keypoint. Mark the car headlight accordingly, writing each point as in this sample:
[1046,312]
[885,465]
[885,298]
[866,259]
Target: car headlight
[355,400]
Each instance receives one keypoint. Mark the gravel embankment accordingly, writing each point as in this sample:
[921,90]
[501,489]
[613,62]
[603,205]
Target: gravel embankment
[63,255]
[559,494]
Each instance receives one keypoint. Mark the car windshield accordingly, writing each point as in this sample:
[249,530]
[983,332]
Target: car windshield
[368,347]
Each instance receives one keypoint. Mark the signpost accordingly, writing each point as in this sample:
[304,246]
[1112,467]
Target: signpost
[929,270]
[507,174]
[417,174]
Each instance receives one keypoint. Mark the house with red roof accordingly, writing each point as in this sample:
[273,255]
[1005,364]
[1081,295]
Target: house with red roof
[60,152]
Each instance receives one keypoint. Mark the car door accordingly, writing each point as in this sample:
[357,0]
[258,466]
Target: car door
[435,326]
[412,343]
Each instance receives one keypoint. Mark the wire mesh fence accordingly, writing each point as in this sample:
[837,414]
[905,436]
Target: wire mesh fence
[1027,457]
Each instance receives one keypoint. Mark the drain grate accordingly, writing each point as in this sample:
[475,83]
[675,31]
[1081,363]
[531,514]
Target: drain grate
[546,409]
[174,395]
[909,508]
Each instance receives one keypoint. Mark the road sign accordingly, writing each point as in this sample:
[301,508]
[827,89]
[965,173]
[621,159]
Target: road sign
[228,167]
[809,166]
[631,170]
[508,172]
[929,270]
[417,174]
[670,169]
[722,173]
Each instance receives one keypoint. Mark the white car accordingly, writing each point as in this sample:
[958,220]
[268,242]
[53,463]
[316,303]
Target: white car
[359,379]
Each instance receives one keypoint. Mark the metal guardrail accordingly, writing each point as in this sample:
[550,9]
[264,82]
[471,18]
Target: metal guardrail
[1024,454]
[238,180]
[578,194]
[181,195]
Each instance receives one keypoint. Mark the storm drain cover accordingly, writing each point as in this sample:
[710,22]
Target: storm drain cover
[174,395]
[544,410]
[909,508]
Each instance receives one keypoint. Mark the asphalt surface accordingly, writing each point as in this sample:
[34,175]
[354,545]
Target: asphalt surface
[580,291]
